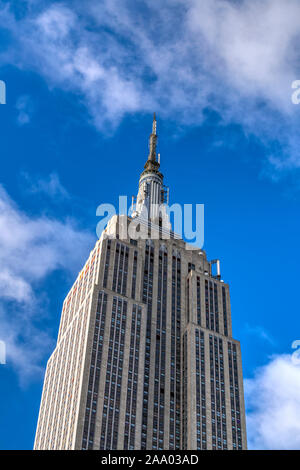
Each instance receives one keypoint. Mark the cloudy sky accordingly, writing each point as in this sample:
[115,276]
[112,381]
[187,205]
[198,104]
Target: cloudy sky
[82,81]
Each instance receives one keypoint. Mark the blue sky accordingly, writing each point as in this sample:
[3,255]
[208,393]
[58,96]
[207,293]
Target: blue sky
[82,84]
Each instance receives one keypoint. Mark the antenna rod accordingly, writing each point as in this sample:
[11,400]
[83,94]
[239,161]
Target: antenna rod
[153,141]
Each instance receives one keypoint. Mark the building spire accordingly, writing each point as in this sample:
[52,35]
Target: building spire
[153,141]
[154,124]
[152,193]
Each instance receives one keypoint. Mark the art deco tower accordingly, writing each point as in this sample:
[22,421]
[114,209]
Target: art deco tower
[145,357]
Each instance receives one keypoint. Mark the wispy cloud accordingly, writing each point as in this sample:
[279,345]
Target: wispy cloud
[260,332]
[179,58]
[273,403]
[25,109]
[30,250]
[50,186]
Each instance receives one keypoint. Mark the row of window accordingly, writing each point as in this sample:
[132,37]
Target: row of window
[218,404]
[200,390]
[175,366]
[234,397]
[95,368]
[160,354]
[147,298]
[114,371]
[131,401]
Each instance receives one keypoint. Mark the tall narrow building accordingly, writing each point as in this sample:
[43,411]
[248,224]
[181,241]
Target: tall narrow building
[145,357]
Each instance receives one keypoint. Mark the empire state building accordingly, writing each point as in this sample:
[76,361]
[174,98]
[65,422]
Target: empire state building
[145,357]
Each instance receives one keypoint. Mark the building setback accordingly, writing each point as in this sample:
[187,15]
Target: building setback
[145,357]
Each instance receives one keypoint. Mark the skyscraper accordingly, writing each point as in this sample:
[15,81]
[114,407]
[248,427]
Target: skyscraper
[145,357]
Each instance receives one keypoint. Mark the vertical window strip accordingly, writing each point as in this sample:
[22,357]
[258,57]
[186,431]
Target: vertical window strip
[107,259]
[160,354]
[198,301]
[125,271]
[184,386]
[188,299]
[172,426]
[211,307]
[206,305]
[116,267]
[111,403]
[178,356]
[120,269]
[95,369]
[234,397]
[223,402]
[217,382]
[147,298]
[216,307]
[200,391]
[134,273]
[175,366]
[130,416]
[225,311]
[130,379]
[212,392]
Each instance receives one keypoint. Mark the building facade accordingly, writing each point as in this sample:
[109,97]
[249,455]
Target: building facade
[145,357]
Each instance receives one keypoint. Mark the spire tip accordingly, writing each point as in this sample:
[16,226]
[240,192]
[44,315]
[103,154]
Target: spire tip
[154,124]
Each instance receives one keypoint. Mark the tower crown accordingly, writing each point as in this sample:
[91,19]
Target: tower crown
[151,192]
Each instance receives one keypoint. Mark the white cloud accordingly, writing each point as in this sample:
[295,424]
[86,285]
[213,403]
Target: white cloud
[26,342]
[273,402]
[30,250]
[55,22]
[13,287]
[178,58]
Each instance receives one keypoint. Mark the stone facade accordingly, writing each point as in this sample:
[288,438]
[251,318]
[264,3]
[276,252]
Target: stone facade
[176,323]
[145,357]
